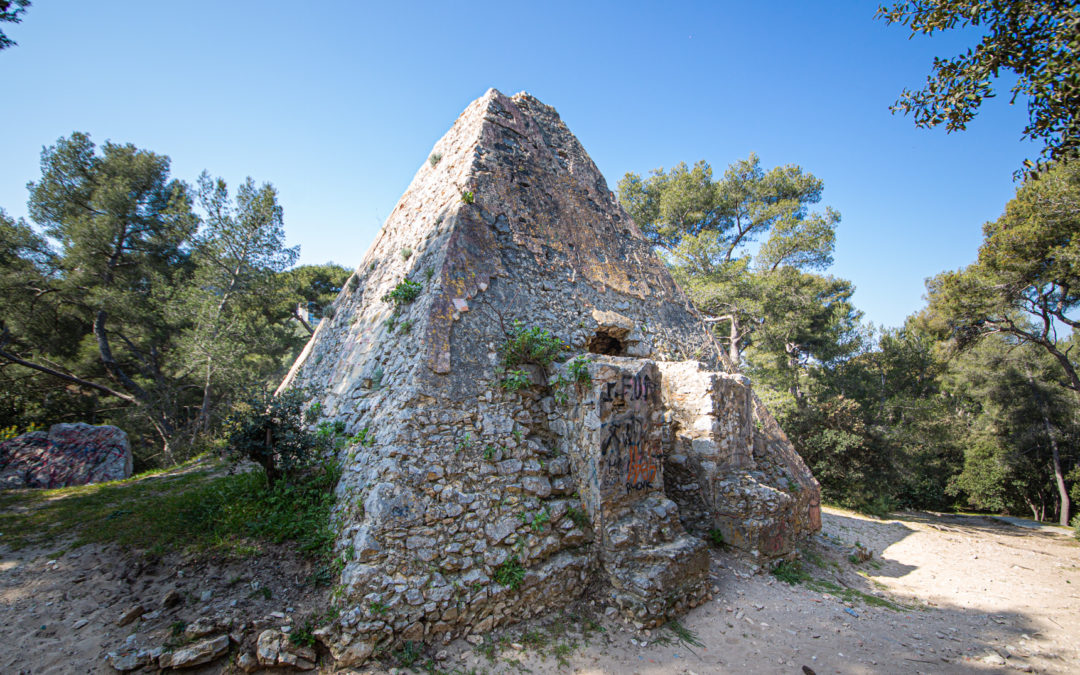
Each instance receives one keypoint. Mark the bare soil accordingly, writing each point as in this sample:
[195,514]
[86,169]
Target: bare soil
[940,594]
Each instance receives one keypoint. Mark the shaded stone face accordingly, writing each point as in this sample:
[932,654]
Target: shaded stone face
[69,454]
[497,489]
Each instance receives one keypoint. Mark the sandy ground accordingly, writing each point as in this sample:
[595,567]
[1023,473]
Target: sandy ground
[970,595]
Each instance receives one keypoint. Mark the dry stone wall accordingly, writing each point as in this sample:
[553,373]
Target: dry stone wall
[479,505]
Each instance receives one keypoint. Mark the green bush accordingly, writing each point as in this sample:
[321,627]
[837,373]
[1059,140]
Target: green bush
[270,431]
[404,293]
[1076,526]
[529,344]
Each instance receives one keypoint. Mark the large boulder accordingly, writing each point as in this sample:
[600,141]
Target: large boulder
[69,454]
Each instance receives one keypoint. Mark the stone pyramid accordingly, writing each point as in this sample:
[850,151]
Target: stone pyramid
[495,490]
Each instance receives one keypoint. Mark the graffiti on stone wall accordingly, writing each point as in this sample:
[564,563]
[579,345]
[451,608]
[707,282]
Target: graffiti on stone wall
[630,454]
[627,388]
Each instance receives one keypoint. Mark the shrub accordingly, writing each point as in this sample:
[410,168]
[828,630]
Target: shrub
[530,344]
[467,197]
[404,293]
[406,253]
[1076,526]
[270,430]
[434,158]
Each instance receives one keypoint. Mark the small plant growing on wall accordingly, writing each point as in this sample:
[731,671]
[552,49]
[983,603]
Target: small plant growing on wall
[467,197]
[405,292]
[510,573]
[529,344]
[516,380]
[434,158]
[579,370]
[406,253]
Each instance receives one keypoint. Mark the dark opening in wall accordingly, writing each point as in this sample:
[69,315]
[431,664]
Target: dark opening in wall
[605,343]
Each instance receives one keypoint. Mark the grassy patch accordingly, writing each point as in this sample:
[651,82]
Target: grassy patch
[792,572]
[195,511]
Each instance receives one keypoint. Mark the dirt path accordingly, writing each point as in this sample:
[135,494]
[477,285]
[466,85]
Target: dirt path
[972,595]
[941,594]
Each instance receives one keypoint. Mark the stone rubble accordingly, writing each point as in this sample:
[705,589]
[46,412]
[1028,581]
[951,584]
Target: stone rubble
[479,504]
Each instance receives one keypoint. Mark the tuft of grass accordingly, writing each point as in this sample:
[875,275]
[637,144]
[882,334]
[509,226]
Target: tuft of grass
[684,635]
[791,572]
[510,573]
[434,158]
[303,635]
[467,197]
[409,653]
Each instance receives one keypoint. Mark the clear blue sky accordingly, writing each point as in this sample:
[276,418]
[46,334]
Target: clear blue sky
[338,103]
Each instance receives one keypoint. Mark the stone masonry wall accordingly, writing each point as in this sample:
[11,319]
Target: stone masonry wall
[478,506]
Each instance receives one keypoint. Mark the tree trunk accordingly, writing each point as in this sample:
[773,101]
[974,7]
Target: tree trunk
[1055,454]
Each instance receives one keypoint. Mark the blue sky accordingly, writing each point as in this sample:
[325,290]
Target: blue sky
[338,103]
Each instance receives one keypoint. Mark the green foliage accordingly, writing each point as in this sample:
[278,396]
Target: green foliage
[8,433]
[538,520]
[516,380]
[490,451]
[303,632]
[409,653]
[270,430]
[1033,39]
[406,325]
[529,344]
[578,369]
[716,538]
[1075,524]
[708,226]
[467,197]
[377,608]
[129,300]
[684,635]
[466,442]
[11,11]
[434,158]
[406,253]
[405,292]
[578,516]
[790,572]
[510,573]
